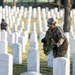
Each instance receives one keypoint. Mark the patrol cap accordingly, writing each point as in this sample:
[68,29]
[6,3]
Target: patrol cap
[51,21]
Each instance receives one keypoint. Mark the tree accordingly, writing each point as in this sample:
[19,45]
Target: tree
[58,2]
[67,19]
[14,2]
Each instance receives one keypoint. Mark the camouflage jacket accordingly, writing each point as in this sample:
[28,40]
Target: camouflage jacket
[3,24]
[55,36]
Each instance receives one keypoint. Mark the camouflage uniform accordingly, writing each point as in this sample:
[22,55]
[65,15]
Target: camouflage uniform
[56,36]
[3,25]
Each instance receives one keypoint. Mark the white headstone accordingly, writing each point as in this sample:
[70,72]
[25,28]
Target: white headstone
[25,35]
[18,21]
[68,51]
[72,43]
[33,60]
[22,24]
[52,12]
[3,47]
[58,15]
[62,25]
[6,64]
[11,39]
[7,20]
[60,66]
[17,53]
[71,29]
[28,25]
[43,13]
[73,62]
[10,24]
[3,11]
[25,14]
[61,13]
[33,37]
[40,26]
[3,35]
[16,37]
[15,28]
[73,12]
[45,25]
[33,27]
[46,10]
[50,59]
[55,10]
[13,19]
[17,8]
[48,15]
[34,13]
[34,45]
[21,40]
[41,35]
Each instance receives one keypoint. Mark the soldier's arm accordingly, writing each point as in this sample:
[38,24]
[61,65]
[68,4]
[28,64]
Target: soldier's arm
[60,42]
[60,35]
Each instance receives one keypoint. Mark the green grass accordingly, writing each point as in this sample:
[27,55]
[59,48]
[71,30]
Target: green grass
[20,68]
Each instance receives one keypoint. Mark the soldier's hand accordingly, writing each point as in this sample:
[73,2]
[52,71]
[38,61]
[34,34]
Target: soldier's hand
[51,40]
[44,41]
[55,47]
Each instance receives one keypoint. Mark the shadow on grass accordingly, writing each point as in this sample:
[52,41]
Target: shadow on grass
[44,69]
[20,68]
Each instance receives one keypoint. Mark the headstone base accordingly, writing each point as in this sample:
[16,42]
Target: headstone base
[30,73]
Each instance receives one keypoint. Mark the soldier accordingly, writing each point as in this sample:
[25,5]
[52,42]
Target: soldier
[55,40]
[3,25]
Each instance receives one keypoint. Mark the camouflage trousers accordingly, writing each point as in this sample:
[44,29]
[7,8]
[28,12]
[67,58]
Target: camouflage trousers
[61,51]
[4,28]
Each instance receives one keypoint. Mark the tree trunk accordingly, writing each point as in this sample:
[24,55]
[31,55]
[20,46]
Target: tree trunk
[14,2]
[35,2]
[1,2]
[48,1]
[67,18]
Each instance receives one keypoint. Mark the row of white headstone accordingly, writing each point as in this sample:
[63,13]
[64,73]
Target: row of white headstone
[6,59]
[17,42]
[33,44]
[72,43]
[33,60]
[14,19]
